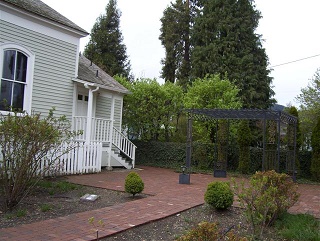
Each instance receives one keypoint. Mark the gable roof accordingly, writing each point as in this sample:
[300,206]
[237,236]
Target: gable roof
[41,9]
[89,72]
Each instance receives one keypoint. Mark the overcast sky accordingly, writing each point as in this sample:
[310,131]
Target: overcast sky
[289,28]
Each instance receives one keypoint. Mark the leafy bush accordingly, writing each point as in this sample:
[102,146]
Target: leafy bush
[315,143]
[206,231]
[29,145]
[267,195]
[133,183]
[219,195]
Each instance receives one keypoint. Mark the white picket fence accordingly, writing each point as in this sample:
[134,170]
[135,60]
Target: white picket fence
[74,158]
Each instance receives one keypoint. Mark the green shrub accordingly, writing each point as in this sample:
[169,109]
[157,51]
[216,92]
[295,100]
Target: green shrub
[219,195]
[133,183]
[315,161]
[209,232]
[267,195]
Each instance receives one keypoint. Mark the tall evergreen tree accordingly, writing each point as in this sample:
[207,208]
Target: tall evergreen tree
[106,47]
[175,37]
[224,42]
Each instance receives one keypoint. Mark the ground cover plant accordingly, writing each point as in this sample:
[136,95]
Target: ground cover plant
[302,227]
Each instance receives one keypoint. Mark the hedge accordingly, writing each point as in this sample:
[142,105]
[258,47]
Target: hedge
[173,155]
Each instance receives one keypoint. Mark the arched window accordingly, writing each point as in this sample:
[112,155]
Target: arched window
[16,72]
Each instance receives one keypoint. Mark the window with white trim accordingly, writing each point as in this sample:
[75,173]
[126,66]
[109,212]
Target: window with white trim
[16,72]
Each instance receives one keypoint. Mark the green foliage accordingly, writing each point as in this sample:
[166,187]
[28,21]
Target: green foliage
[27,143]
[315,143]
[149,110]
[106,47]
[21,213]
[309,109]
[219,195]
[206,231]
[294,133]
[302,227]
[224,40]
[133,183]
[53,187]
[45,207]
[244,140]
[211,92]
[175,38]
[97,226]
[267,196]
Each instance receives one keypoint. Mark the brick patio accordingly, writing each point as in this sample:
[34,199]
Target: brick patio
[167,198]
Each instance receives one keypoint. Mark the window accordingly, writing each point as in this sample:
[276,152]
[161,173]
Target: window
[16,73]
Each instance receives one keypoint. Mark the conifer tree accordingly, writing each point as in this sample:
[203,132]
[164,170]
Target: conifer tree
[175,38]
[224,42]
[106,48]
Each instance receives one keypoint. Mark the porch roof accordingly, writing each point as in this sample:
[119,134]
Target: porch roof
[89,72]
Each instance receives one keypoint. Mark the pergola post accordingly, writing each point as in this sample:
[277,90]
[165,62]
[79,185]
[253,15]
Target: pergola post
[184,177]
[278,145]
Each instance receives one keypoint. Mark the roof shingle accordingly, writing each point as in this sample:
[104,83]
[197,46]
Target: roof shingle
[87,71]
[41,9]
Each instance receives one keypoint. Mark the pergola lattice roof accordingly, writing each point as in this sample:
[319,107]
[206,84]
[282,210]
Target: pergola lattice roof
[252,114]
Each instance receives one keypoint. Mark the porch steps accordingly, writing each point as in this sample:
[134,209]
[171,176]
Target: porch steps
[120,160]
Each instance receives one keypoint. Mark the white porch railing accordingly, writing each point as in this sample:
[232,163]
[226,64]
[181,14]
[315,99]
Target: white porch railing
[100,129]
[82,158]
[101,132]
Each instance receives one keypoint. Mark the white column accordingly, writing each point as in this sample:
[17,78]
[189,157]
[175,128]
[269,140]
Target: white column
[111,131]
[89,117]
[90,111]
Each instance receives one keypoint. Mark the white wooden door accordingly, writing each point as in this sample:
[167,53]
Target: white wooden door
[82,104]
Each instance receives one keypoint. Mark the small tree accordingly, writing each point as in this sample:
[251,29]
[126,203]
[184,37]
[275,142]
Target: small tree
[133,183]
[29,147]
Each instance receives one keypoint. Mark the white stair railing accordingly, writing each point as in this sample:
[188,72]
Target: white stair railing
[124,145]
[101,132]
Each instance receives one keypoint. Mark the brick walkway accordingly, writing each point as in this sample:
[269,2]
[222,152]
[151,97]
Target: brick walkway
[168,198]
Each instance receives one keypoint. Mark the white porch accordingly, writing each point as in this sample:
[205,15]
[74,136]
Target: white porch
[97,112]
[117,149]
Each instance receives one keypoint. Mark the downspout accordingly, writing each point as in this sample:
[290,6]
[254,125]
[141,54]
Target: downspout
[89,112]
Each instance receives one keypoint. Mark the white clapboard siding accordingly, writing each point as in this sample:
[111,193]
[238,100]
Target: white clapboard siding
[54,68]
[117,114]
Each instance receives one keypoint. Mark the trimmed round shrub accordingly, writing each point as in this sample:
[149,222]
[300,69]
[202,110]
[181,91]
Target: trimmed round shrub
[219,195]
[133,183]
